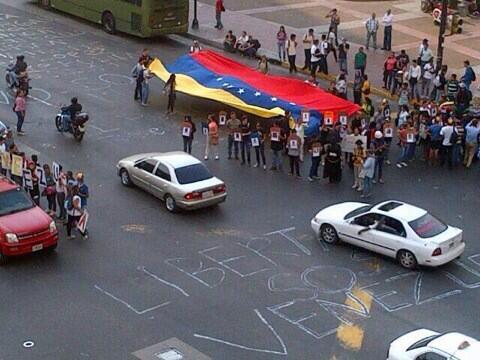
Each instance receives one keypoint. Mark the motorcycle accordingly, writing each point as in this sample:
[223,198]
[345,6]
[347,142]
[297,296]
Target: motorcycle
[18,83]
[76,126]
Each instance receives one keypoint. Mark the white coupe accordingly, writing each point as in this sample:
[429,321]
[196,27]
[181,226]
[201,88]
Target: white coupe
[423,344]
[392,228]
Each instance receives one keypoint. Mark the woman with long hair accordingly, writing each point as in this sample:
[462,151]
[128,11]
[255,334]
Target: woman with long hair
[169,89]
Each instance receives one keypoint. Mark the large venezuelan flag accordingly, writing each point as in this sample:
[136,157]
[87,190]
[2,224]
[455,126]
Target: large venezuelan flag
[210,75]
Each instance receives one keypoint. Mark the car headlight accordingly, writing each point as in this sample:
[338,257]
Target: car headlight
[11,238]
[52,227]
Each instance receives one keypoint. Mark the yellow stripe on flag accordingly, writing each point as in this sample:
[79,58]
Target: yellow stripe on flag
[190,86]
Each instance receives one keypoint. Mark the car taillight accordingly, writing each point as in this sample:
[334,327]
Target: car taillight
[193,196]
[437,252]
[219,189]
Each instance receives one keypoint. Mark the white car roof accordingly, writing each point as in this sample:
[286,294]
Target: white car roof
[176,159]
[450,343]
[399,210]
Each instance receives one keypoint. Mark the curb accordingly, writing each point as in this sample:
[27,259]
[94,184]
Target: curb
[374,90]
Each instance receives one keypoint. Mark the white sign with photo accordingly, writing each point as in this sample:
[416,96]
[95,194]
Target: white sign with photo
[27,179]
[255,142]
[55,171]
[293,144]
[343,120]
[275,136]
[410,137]
[222,119]
[305,116]
[237,137]
[186,131]
[348,142]
[42,181]
[388,132]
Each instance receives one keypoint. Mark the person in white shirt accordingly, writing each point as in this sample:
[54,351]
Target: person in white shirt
[324,50]
[292,52]
[387,21]
[414,75]
[446,152]
[74,210]
[372,28]
[428,74]
[61,188]
[314,58]
[425,54]
[147,75]
[307,46]
[242,40]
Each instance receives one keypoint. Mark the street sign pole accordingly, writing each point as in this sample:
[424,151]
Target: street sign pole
[441,34]
[195,19]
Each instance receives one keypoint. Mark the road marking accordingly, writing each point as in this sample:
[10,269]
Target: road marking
[103,130]
[156,277]
[351,335]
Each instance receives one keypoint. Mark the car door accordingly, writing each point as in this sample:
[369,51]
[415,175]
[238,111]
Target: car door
[356,232]
[388,236]
[433,355]
[162,181]
[142,173]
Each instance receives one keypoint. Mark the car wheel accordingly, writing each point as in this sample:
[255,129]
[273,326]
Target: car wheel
[328,234]
[125,178]
[407,259]
[108,23]
[170,203]
[3,259]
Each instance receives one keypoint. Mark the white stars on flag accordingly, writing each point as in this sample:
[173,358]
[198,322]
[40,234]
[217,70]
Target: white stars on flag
[257,93]
[241,91]
[219,79]
[293,104]
[273,99]
[225,84]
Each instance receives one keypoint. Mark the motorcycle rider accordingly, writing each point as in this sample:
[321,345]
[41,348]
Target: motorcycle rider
[69,112]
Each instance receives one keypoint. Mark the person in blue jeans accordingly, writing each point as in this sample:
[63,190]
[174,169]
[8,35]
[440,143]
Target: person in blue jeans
[276,145]
[316,151]
[246,143]
[259,146]
[379,147]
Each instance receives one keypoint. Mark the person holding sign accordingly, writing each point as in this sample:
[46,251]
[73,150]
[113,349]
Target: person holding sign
[188,129]
[402,136]
[245,144]
[50,191]
[316,151]
[378,144]
[258,143]
[74,210]
[35,191]
[233,125]
[212,137]
[333,159]
[61,190]
[387,136]
[293,147]
[358,157]
[276,144]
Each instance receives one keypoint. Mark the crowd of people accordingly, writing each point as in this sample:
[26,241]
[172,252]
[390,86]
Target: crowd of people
[65,193]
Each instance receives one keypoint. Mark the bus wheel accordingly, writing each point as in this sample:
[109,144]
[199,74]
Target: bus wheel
[108,23]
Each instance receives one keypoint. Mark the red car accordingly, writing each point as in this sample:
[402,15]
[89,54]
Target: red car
[24,227]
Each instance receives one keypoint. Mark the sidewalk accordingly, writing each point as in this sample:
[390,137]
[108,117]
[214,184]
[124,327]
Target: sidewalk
[410,27]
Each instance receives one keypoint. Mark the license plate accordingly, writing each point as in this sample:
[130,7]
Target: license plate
[37,247]
[207,194]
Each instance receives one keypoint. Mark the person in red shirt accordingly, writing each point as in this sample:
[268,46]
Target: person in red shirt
[219,8]
[389,67]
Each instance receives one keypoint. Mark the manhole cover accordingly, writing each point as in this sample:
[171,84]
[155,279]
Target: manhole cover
[171,354]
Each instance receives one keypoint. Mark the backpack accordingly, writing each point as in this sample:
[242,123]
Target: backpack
[69,203]
[453,137]
[474,76]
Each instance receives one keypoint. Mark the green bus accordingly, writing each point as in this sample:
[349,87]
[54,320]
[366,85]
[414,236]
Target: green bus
[143,18]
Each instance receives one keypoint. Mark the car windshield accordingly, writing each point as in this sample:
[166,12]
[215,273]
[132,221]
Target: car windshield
[13,201]
[427,226]
[358,211]
[192,173]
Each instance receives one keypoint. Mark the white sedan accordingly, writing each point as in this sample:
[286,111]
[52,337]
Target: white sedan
[426,344]
[392,228]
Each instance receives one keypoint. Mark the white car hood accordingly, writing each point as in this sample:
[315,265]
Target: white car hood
[401,344]
[338,211]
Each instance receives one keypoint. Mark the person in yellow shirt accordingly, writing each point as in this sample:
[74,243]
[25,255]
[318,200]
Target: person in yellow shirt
[358,157]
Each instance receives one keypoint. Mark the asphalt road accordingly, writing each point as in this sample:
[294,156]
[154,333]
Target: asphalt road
[245,280]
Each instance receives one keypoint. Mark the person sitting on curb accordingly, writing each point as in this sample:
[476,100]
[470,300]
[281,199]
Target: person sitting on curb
[229,42]
[250,48]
